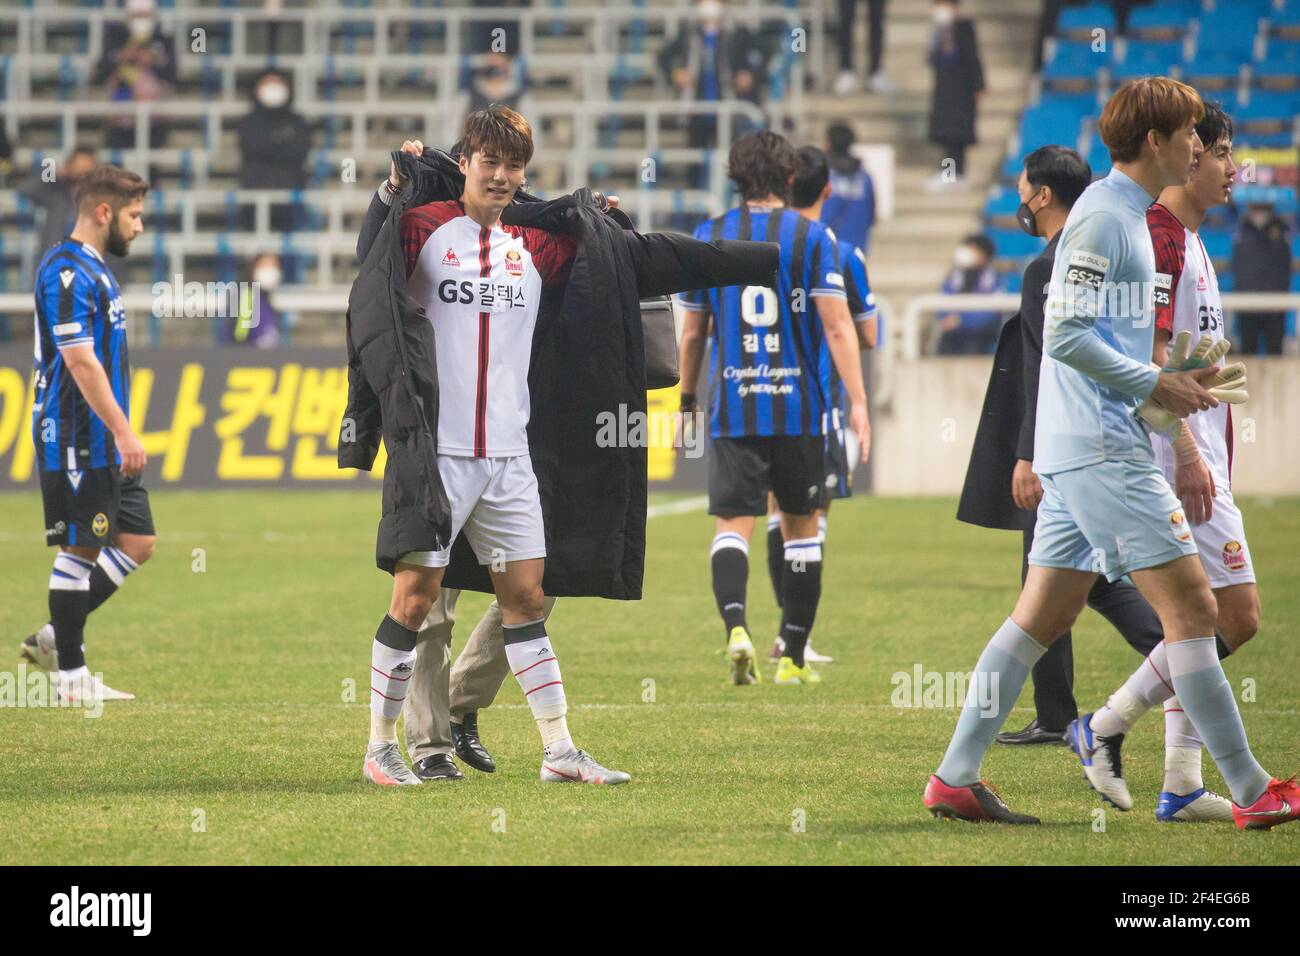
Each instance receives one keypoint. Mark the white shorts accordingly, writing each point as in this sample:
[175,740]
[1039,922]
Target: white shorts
[1222,543]
[495,502]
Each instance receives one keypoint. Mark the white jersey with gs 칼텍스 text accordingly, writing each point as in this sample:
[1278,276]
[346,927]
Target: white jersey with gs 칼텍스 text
[480,288]
[1187,299]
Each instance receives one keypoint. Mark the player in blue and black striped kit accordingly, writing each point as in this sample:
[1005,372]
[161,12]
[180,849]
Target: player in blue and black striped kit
[811,188]
[768,399]
[96,511]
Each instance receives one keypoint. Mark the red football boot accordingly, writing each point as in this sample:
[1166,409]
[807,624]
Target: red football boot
[977,803]
[1280,803]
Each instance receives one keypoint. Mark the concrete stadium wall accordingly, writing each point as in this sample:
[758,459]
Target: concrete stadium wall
[922,445]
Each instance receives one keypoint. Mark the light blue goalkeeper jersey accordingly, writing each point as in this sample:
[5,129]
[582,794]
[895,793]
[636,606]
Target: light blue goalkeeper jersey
[1098,332]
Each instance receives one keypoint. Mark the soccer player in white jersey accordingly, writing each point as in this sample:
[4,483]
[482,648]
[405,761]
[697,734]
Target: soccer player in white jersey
[480,283]
[1106,505]
[1198,464]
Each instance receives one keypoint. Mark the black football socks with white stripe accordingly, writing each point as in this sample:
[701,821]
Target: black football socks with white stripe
[730,560]
[801,586]
[69,607]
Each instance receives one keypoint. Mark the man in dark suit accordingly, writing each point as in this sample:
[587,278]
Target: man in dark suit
[1001,489]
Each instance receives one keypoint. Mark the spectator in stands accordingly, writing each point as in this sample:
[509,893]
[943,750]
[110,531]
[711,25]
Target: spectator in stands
[1261,262]
[706,62]
[274,142]
[847,81]
[138,67]
[958,80]
[970,333]
[54,196]
[259,324]
[851,209]
[495,78]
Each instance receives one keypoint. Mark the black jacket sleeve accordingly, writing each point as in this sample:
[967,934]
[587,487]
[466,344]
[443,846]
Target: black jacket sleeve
[1033,299]
[667,262]
[370,226]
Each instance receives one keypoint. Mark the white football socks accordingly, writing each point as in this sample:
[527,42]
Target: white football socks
[1182,751]
[535,666]
[390,675]
[555,736]
[1146,687]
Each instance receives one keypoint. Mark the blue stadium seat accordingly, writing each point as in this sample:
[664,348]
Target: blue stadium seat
[1227,281]
[1083,20]
[1229,30]
[1218,244]
[1269,105]
[1015,243]
[1013,280]
[1281,63]
[1098,158]
[1159,20]
[1213,71]
[1286,22]
[1074,61]
[1052,121]
[1002,202]
[1295,246]
[1150,58]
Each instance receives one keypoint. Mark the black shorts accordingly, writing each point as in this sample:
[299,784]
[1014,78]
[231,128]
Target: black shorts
[743,470]
[88,511]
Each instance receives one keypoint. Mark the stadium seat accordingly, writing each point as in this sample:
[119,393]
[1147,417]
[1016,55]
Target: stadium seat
[1014,243]
[1149,58]
[1098,157]
[1214,71]
[1013,280]
[1227,281]
[1280,68]
[1161,21]
[1002,202]
[1270,104]
[1286,22]
[1076,61]
[1229,30]
[1218,245]
[1079,22]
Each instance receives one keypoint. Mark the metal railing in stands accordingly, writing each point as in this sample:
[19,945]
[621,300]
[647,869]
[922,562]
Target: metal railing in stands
[320,23]
[911,332]
[642,204]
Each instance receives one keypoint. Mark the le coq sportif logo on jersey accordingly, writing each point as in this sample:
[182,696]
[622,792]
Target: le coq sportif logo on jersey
[79,909]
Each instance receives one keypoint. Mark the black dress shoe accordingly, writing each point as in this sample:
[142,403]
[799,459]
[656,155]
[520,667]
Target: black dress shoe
[464,737]
[437,767]
[1034,733]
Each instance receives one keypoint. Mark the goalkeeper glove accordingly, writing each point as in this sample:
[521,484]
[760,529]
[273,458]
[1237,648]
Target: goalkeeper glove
[1227,385]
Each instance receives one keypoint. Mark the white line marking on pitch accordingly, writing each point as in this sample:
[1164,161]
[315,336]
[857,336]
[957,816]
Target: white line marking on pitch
[685,505]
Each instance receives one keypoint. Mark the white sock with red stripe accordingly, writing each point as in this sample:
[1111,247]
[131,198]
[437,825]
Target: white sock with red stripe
[1147,687]
[1183,747]
[392,660]
[535,666]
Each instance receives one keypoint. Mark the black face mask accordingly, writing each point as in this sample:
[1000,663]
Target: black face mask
[1025,216]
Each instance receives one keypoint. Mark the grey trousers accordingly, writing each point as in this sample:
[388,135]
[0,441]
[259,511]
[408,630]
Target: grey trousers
[441,691]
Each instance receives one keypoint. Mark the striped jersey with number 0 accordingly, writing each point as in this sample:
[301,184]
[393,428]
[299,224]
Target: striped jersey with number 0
[765,374]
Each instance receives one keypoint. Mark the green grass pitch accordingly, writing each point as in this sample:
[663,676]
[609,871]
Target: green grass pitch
[242,749]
